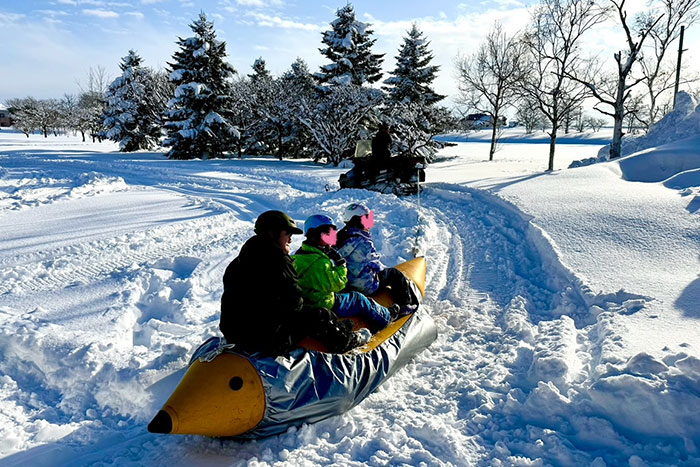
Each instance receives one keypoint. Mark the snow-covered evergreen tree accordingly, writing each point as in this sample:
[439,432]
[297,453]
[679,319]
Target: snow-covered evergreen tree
[410,109]
[299,78]
[264,133]
[298,92]
[132,115]
[349,48]
[260,71]
[198,118]
[413,74]
[337,121]
[413,127]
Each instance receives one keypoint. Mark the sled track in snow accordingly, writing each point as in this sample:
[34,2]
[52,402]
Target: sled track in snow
[90,261]
[474,287]
[484,274]
[86,261]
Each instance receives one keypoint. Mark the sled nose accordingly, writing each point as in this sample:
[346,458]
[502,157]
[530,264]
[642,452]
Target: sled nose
[161,423]
[221,397]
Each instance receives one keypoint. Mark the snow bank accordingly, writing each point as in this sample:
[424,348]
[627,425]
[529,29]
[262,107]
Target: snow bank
[682,122]
[34,189]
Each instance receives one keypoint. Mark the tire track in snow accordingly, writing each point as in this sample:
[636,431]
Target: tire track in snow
[482,299]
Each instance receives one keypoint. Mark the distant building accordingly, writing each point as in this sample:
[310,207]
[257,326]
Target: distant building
[480,120]
[5,117]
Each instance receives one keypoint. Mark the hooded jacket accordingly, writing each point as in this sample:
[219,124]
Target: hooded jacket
[319,277]
[363,260]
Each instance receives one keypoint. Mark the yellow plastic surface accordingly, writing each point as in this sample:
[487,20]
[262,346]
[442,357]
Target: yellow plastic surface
[205,404]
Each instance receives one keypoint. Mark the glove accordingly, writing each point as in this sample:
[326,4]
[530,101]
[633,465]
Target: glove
[336,257]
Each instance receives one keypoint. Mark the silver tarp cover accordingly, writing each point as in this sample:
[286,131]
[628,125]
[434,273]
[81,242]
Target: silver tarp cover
[309,386]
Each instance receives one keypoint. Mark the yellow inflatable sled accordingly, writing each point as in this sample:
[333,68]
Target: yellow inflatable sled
[224,393]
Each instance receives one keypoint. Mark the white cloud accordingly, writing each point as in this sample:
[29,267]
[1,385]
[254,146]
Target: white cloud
[255,3]
[101,13]
[97,3]
[151,2]
[135,14]
[277,22]
[449,37]
[508,3]
[260,3]
[7,19]
[52,12]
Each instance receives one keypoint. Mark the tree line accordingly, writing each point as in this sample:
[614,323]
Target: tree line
[544,72]
[201,107]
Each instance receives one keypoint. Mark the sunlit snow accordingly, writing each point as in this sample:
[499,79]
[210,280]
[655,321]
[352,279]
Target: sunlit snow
[567,303]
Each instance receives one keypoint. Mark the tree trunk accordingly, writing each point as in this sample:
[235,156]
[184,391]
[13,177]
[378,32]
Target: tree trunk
[279,143]
[492,149]
[552,145]
[616,144]
[83,135]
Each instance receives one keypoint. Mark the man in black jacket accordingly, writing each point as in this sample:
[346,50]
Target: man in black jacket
[262,308]
[381,145]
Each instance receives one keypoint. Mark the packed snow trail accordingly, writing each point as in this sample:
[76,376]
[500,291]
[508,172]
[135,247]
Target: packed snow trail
[96,328]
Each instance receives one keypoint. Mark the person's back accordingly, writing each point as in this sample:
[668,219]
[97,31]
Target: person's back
[366,273]
[262,309]
[381,144]
[363,262]
[260,297]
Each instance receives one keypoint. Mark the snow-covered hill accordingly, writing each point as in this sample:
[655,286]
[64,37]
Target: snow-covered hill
[567,304]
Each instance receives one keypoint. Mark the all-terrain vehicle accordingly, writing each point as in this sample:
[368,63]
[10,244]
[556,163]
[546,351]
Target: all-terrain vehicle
[400,175]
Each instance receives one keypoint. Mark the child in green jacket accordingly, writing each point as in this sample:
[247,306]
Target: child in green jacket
[322,276]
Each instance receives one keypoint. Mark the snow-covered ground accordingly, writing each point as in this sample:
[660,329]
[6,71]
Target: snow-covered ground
[567,304]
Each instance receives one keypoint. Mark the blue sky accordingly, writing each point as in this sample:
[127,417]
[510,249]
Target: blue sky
[49,46]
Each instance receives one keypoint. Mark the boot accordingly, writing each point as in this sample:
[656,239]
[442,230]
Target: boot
[359,338]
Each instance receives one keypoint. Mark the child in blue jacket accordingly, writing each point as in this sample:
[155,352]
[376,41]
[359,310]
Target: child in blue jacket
[366,273]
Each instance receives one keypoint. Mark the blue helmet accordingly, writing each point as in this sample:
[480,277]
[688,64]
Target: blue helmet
[316,221]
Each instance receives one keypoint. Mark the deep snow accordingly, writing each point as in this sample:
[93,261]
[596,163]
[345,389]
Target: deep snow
[567,304]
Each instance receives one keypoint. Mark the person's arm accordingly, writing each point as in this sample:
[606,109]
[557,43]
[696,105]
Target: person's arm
[331,278]
[372,258]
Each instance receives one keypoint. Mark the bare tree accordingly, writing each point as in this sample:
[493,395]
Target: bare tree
[529,115]
[657,73]
[635,109]
[97,81]
[595,123]
[554,54]
[91,103]
[69,113]
[24,111]
[614,90]
[336,120]
[489,79]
